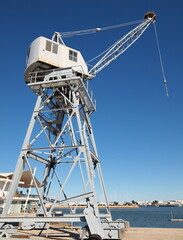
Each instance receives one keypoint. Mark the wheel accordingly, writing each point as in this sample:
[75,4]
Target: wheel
[95,237]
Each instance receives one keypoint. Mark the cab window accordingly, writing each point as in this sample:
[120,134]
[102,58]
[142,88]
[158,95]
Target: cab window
[51,47]
[72,55]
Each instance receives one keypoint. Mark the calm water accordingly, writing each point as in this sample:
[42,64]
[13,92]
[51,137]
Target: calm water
[155,217]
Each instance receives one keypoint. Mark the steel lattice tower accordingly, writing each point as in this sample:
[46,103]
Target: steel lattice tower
[60,134]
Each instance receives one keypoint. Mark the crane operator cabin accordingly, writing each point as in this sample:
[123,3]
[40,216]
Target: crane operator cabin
[45,54]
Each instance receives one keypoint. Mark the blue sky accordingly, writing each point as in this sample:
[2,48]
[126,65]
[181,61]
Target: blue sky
[138,130]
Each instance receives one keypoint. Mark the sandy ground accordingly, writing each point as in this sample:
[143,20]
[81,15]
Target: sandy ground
[54,232]
[67,233]
[153,234]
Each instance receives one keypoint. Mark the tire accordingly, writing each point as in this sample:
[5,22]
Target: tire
[95,237]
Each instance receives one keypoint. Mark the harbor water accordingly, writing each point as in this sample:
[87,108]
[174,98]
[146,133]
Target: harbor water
[149,217]
[155,217]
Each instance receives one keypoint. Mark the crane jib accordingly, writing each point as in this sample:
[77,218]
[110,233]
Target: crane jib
[121,45]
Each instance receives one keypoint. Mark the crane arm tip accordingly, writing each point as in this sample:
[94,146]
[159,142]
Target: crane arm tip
[150,15]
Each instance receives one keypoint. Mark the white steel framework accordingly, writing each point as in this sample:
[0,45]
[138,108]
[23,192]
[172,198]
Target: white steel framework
[123,44]
[60,140]
[60,143]
[65,136]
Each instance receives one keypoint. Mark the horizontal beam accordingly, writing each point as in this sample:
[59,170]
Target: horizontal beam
[38,158]
[51,148]
[54,83]
[76,198]
[64,218]
[68,218]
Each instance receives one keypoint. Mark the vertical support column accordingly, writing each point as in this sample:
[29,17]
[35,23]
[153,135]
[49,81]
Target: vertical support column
[82,129]
[99,171]
[21,162]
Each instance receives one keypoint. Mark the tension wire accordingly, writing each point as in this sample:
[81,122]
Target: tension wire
[98,29]
[161,61]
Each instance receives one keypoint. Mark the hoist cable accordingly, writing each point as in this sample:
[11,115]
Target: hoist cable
[161,61]
[94,30]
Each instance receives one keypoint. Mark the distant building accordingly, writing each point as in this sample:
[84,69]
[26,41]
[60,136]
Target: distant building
[19,199]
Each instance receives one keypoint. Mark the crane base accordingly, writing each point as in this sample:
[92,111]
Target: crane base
[111,230]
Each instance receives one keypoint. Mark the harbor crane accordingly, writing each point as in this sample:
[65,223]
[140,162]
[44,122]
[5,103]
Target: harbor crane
[60,142]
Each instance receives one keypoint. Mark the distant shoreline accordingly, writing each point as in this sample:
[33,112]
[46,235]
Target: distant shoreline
[118,207]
